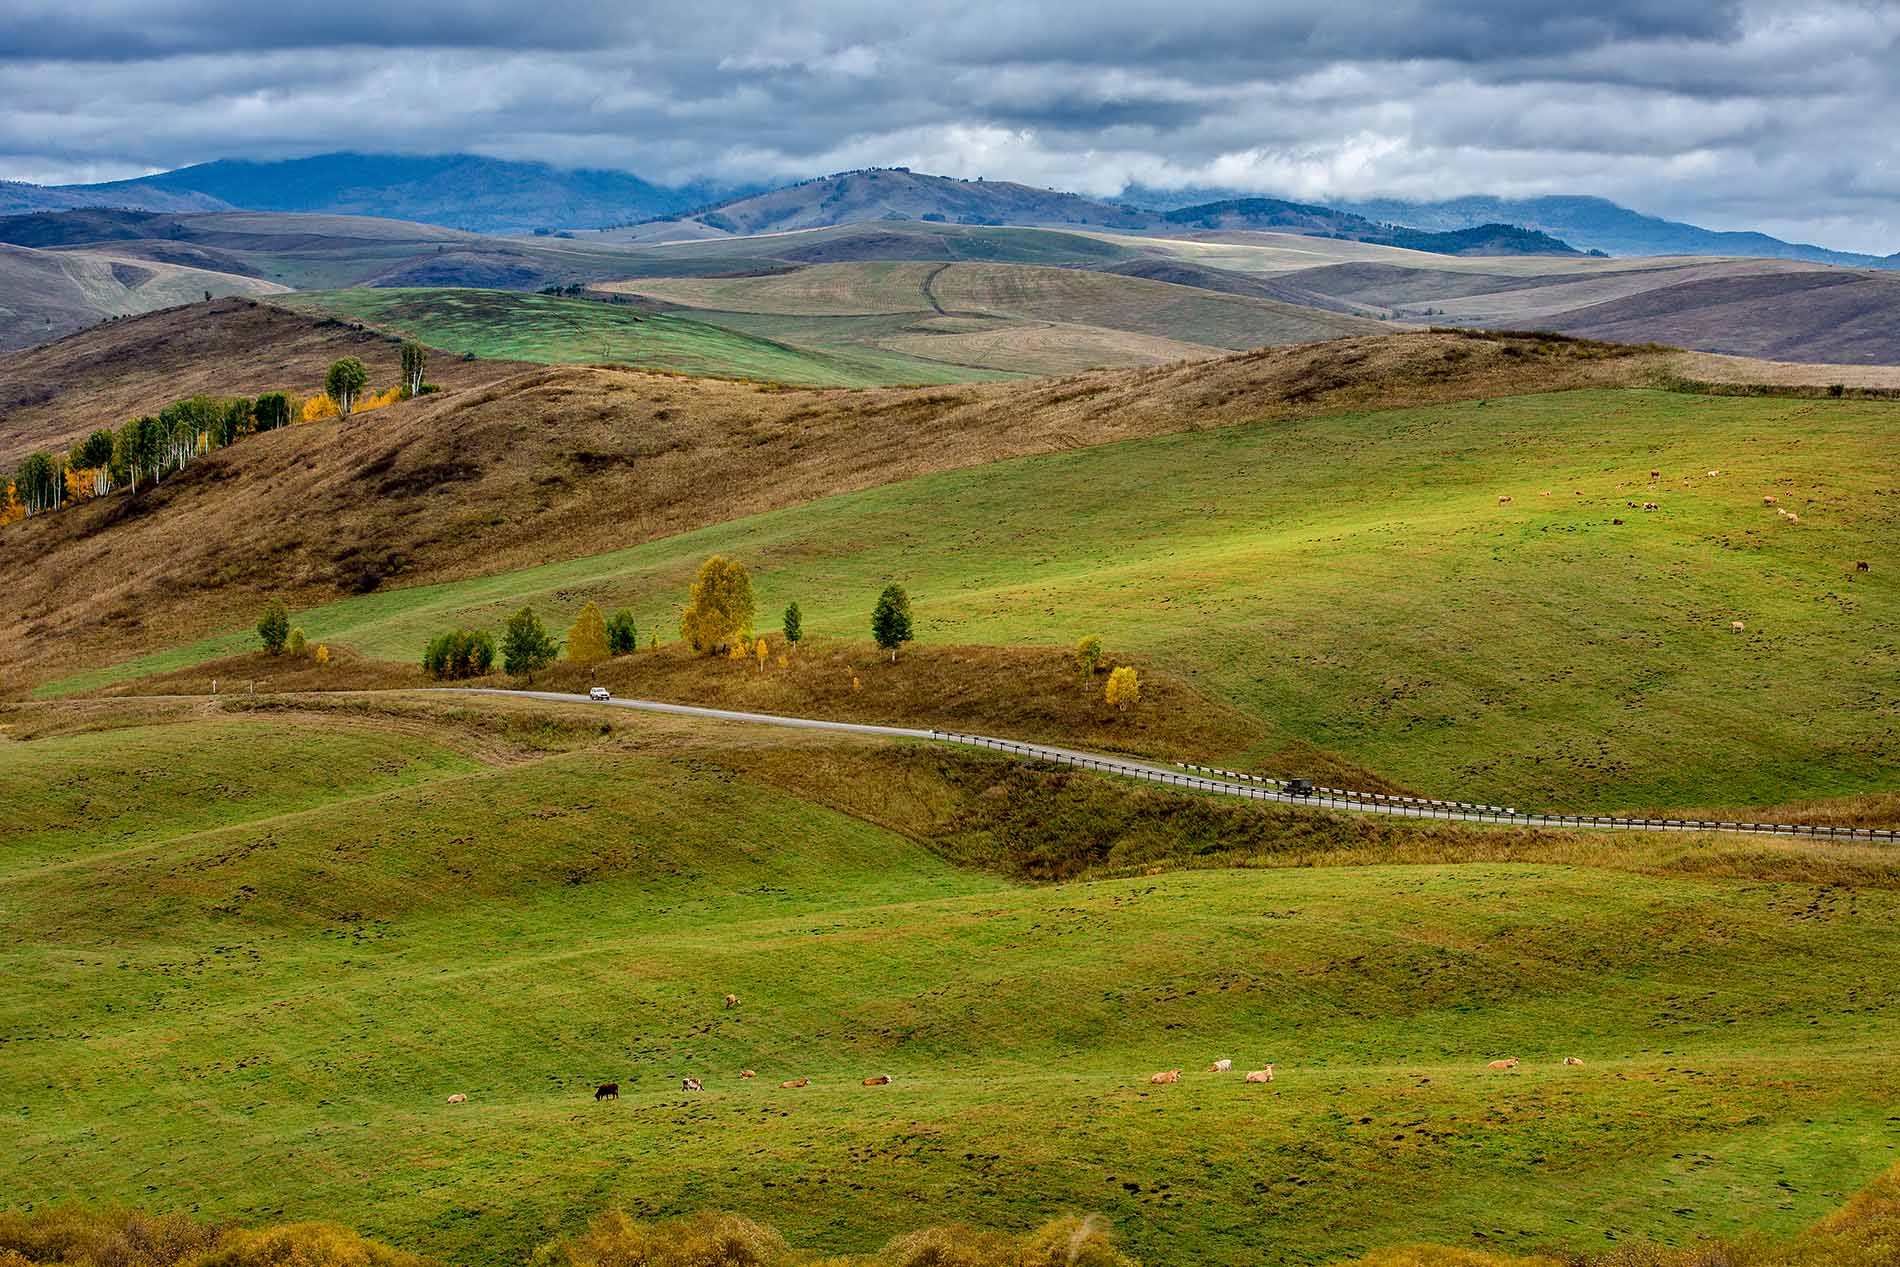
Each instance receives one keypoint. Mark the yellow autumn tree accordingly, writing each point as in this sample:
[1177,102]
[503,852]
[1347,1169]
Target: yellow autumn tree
[322,656]
[1124,688]
[318,407]
[11,511]
[719,608]
[587,636]
[761,651]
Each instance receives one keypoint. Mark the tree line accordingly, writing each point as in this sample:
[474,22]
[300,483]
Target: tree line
[147,449]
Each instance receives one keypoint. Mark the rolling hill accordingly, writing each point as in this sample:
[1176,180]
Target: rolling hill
[55,392]
[367,906]
[47,294]
[1003,317]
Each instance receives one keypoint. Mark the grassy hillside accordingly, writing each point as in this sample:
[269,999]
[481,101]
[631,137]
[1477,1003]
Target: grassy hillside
[102,376]
[350,953]
[564,462]
[554,330]
[996,316]
[47,294]
[1353,582]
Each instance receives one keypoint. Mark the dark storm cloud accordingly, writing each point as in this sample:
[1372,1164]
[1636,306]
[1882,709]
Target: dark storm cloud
[1740,112]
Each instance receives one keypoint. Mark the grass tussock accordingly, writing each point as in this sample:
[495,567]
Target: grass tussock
[112,1237]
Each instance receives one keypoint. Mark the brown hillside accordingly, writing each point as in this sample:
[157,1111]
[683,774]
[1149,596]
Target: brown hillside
[53,393]
[561,462]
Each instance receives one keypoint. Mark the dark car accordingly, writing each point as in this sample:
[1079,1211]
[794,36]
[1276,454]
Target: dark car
[1299,787]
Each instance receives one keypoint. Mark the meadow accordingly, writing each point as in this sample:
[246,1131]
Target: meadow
[1353,583]
[240,992]
[551,329]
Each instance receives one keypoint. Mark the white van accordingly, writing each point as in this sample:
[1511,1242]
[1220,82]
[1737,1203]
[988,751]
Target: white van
[598,694]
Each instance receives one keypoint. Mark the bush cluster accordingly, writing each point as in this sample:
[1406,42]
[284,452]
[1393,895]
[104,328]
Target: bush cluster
[459,654]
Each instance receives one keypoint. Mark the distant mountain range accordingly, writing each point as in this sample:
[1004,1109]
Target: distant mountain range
[897,193]
[487,195]
[457,191]
[1590,224]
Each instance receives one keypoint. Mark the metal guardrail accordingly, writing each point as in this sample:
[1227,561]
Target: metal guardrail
[1383,797]
[1256,787]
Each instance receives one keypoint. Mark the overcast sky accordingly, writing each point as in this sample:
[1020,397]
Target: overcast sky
[1730,113]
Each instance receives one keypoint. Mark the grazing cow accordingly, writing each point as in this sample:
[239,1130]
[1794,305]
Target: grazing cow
[1508,1063]
[1651,506]
[732,1000]
[1220,1066]
[794,1084]
[878,1080]
[1736,626]
[1793,518]
[747,1073]
[1713,474]
[1655,475]
[1617,522]
[1546,493]
[1505,500]
[1769,500]
[1261,1075]
[1161,1079]
[1861,566]
[607,1091]
[458,1098]
[690,1084]
[1571,1062]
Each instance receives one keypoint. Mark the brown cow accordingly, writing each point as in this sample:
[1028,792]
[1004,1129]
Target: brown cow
[1220,1066]
[1655,475]
[1160,1079]
[878,1080]
[1508,1063]
[747,1073]
[607,1091]
[1768,500]
[1504,500]
[1571,1062]
[1736,626]
[732,1000]
[1261,1075]
[458,1098]
[1861,566]
[794,1084]
[690,1084]
[1617,522]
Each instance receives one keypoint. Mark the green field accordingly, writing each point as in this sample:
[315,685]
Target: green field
[240,991]
[1354,582]
[553,330]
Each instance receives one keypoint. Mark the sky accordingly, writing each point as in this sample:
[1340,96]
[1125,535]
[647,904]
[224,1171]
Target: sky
[1728,113]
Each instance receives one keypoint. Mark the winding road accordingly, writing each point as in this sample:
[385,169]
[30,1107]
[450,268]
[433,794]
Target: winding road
[1237,786]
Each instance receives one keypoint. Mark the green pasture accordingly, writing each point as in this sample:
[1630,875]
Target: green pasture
[1355,582]
[256,1004]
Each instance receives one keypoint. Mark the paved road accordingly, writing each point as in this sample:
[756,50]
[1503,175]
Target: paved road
[1177,778]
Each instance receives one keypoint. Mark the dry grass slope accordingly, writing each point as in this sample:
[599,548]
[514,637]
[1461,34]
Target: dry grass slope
[58,391]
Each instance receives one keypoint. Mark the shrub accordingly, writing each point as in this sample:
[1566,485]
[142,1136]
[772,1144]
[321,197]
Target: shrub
[273,627]
[322,656]
[719,607]
[459,654]
[622,637]
[1124,688]
[890,619]
[1088,655]
[702,1240]
[295,643]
